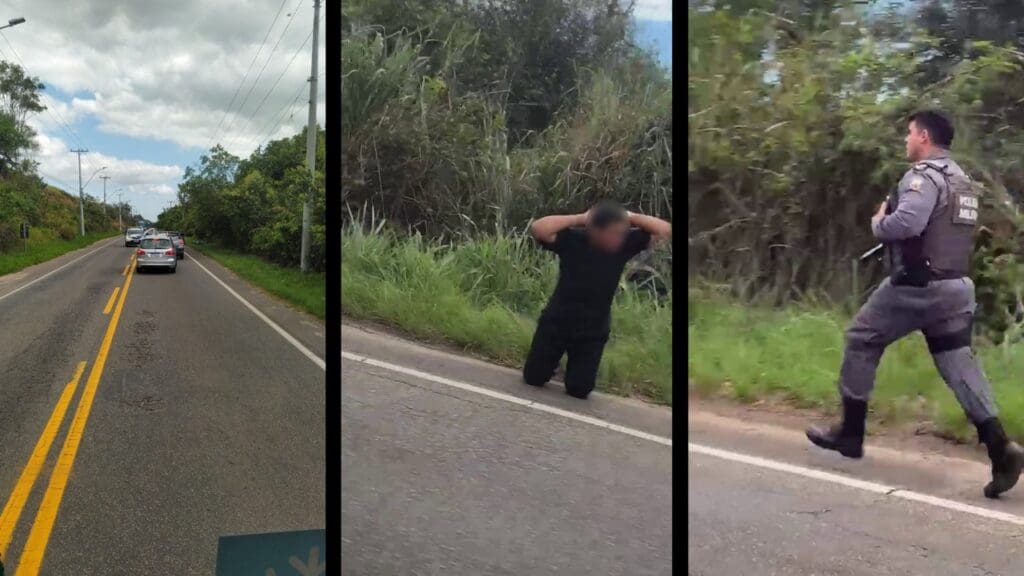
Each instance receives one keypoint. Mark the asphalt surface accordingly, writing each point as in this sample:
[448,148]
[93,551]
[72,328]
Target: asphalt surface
[439,480]
[205,421]
[747,518]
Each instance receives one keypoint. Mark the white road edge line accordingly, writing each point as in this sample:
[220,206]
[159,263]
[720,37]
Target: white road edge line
[868,486]
[291,339]
[507,398]
[52,272]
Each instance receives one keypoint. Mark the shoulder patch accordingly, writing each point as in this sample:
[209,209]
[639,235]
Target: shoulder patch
[915,183]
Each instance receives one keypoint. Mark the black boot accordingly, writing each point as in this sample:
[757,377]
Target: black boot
[847,437]
[1007,457]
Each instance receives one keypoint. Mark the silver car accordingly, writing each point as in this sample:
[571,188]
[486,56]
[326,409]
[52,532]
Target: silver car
[132,237]
[156,252]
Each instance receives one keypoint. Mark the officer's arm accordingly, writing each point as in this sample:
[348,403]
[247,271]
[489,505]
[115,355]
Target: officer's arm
[917,197]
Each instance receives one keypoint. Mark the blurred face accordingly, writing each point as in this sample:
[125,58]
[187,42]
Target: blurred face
[917,142]
[609,238]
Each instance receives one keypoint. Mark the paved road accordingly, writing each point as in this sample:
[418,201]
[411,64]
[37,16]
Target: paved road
[438,480]
[204,422]
[747,519]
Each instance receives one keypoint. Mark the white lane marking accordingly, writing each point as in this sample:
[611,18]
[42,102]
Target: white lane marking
[54,271]
[291,339]
[868,486]
[507,398]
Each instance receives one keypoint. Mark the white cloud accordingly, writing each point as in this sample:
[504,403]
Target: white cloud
[659,10]
[165,71]
[59,166]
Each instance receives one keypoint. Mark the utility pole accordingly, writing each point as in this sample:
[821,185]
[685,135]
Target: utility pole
[307,207]
[120,202]
[81,193]
[105,178]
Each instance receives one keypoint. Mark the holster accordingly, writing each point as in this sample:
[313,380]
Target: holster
[913,268]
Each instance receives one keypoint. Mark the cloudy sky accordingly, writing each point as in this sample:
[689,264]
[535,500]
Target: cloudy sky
[654,27]
[658,10]
[147,86]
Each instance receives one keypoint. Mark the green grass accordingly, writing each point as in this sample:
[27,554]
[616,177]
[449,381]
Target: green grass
[483,295]
[751,353]
[306,291]
[44,245]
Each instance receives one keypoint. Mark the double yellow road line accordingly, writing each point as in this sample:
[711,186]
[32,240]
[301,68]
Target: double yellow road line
[32,556]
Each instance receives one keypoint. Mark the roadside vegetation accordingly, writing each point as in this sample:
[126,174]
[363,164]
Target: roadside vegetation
[796,117]
[483,295]
[44,245]
[463,122]
[247,215]
[753,353]
[305,291]
[253,205]
[52,214]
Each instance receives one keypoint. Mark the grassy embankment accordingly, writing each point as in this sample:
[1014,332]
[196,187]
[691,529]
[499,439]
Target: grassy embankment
[306,291]
[483,296]
[793,355]
[45,245]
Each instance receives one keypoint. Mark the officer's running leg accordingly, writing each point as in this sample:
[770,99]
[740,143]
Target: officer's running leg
[949,341]
[584,357]
[888,315]
[546,352]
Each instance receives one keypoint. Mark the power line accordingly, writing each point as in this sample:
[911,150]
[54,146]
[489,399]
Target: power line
[278,80]
[264,67]
[281,116]
[283,112]
[216,131]
[59,119]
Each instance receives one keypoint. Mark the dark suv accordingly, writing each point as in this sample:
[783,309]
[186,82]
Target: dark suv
[179,243]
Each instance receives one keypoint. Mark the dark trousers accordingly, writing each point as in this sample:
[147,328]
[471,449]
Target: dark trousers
[582,344]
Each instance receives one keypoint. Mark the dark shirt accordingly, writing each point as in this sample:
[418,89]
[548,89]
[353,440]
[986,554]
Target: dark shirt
[588,277]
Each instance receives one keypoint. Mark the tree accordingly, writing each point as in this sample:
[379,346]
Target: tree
[201,188]
[19,93]
[526,55]
[13,140]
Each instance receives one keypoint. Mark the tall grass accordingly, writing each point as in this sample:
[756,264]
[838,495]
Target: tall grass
[483,295]
[434,155]
[751,353]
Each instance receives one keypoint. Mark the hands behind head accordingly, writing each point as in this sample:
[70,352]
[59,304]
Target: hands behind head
[584,218]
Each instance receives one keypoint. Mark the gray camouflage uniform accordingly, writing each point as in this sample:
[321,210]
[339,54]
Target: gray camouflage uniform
[943,309]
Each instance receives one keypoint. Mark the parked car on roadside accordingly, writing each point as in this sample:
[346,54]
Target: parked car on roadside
[179,243]
[156,251]
[132,236]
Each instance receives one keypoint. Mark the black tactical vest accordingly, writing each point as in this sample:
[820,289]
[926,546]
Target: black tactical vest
[943,250]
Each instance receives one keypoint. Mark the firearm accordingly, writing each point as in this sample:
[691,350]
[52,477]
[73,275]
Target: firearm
[872,252]
[890,206]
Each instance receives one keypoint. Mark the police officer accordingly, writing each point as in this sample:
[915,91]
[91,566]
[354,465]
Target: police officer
[928,230]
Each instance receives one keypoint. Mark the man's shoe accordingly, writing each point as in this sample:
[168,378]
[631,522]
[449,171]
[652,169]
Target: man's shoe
[847,437]
[1007,457]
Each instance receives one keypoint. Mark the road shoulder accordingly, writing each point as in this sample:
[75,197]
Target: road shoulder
[379,345]
[10,283]
[304,327]
[930,467]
